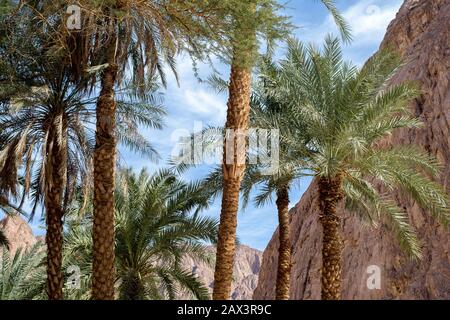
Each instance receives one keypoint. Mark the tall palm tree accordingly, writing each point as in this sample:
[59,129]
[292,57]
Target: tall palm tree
[42,127]
[233,165]
[348,113]
[249,17]
[268,112]
[157,226]
[147,34]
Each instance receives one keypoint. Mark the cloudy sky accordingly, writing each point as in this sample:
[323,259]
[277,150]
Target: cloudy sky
[194,102]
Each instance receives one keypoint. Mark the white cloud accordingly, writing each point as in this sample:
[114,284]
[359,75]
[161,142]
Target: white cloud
[370,18]
[205,104]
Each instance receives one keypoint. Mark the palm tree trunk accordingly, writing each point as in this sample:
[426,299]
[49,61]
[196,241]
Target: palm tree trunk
[234,155]
[54,169]
[237,119]
[284,251]
[103,275]
[330,194]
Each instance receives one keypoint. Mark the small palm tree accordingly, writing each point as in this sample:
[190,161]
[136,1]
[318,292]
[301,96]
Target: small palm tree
[267,112]
[22,274]
[348,113]
[157,226]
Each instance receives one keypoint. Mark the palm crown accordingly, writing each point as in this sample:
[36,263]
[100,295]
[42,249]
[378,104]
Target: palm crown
[346,114]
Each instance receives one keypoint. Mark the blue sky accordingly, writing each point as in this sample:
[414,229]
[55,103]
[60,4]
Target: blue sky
[192,101]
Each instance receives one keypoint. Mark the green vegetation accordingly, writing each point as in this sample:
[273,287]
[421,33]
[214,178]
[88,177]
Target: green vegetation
[69,97]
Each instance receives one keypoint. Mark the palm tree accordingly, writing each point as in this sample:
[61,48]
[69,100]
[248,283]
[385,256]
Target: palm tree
[348,113]
[249,18]
[157,226]
[46,121]
[73,159]
[42,122]
[233,169]
[22,274]
[147,34]
[267,112]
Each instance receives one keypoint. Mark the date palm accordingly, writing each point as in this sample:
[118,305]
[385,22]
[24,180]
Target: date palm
[158,224]
[144,35]
[249,17]
[267,178]
[62,164]
[268,112]
[348,113]
[42,119]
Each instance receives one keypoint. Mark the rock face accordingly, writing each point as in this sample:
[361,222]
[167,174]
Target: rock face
[245,273]
[18,232]
[421,32]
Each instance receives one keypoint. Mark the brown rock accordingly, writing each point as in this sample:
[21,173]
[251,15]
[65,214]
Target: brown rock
[421,32]
[18,232]
[245,273]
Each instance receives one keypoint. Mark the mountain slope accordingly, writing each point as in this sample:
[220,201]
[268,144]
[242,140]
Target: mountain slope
[245,273]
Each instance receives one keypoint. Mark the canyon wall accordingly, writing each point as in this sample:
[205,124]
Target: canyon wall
[247,264]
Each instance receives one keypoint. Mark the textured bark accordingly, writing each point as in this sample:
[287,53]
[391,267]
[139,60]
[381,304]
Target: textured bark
[421,33]
[54,167]
[103,275]
[284,251]
[330,194]
[237,119]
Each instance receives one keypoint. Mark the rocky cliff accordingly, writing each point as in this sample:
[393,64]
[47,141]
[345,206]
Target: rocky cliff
[18,232]
[421,33]
[245,272]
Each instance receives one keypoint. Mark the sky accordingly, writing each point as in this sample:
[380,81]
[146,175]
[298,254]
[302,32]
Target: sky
[191,102]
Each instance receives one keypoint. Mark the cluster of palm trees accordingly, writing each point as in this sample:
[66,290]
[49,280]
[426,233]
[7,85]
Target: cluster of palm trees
[68,97]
